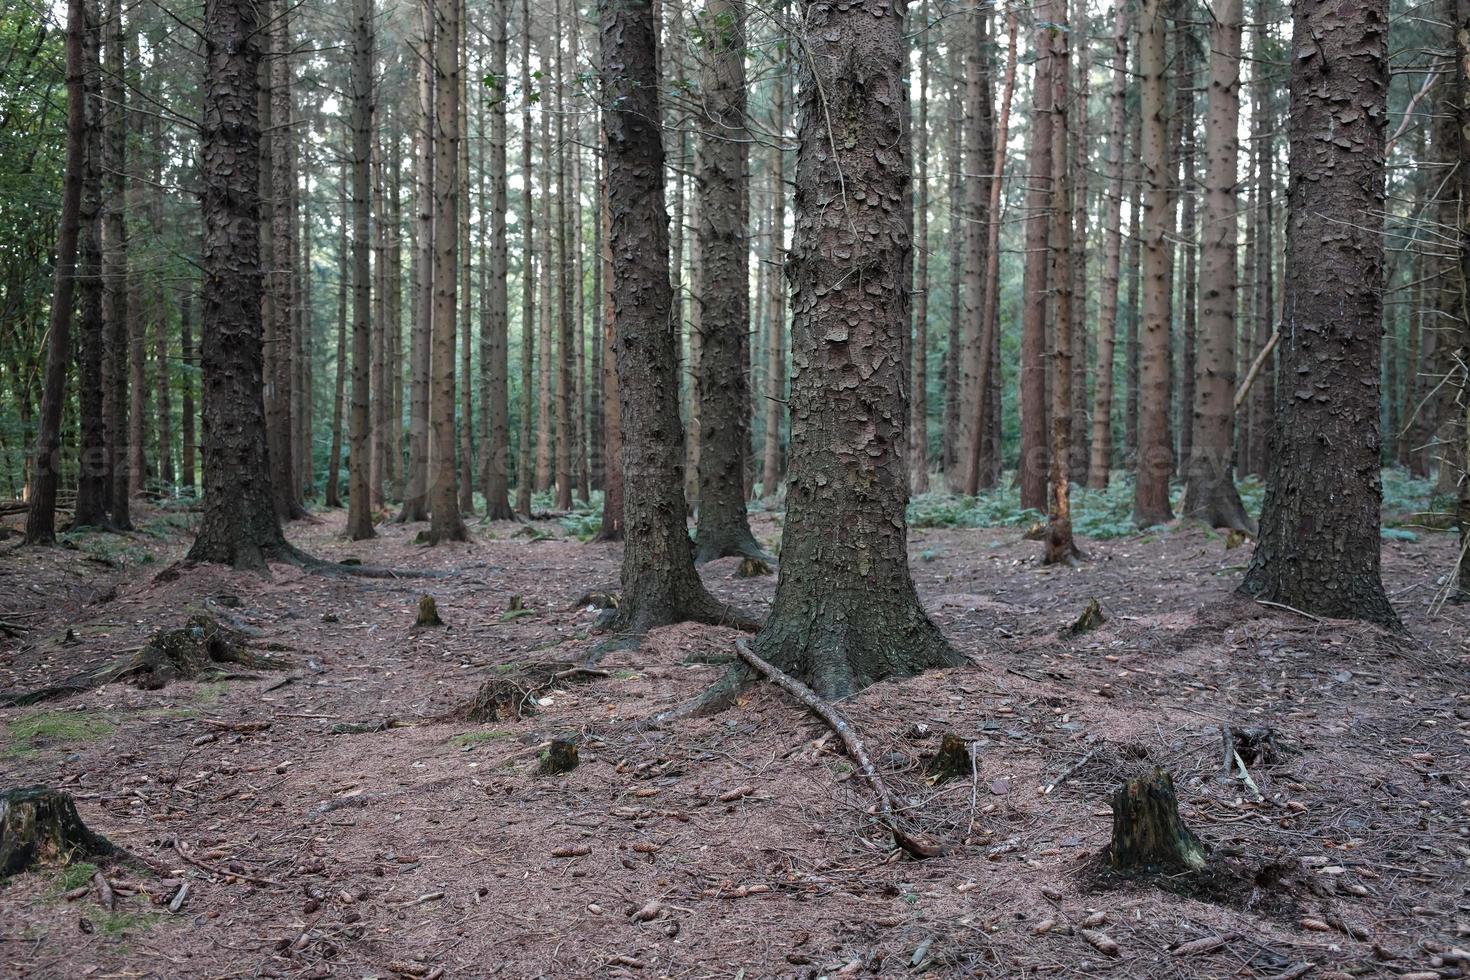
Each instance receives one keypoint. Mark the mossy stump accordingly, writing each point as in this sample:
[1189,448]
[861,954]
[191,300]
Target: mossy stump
[1092,618]
[560,757]
[952,761]
[42,826]
[428,617]
[197,650]
[1148,834]
[498,699]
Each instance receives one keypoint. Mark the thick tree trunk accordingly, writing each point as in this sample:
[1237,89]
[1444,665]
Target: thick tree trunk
[1210,493]
[46,471]
[658,578]
[93,464]
[495,450]
[416,482]
[445,523]
[280,275]
[1034,457]
[1324,560]
[775,403]
[359,491]
[189,473]
[1155,458]
[724,296]
[240,526]
[846,614]
[1099,468]
[1060,546]
[115,269]
[1080,458]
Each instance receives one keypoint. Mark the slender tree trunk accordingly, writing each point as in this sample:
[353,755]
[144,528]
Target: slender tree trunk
[189,475]
[1185,257]
[1034,465]
[41,517]
[279,271]
[416,484]
[115,269]
[1060,546]
[1325,560]
[919,353]
[1081,166]
[846,614]
[659,583]
[974,357]
[723,297]
[1262,400]
[1462,118]
[445,523]
[94,468]
[566,358]
[496,449]
[1100,467]
[1210,493]
[239,526]
[359,494]
[954,472]
[528,277]
[334,456]
[466,306]
[612,413]
[545,452]
[1133,249]
[1155,460]
[378,400]
[163,405]
[775,408]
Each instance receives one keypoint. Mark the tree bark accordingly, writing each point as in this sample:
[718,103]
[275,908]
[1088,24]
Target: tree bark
[496,451]
[359,491]
[41,517]
[115,269]
[724,294]
[1060,546]
[1319,545]
[919,352]
[975,357]
[334,455]
[528,275]
[775,406]
[466,421]
[846,614]
[1155,459]
[566,356]
[1034,466]
[612,415]
[658,578]
[280,271]
[416,483]
[1210,493]
[93,465]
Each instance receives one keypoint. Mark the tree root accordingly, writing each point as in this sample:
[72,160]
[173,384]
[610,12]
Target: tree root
[915,845]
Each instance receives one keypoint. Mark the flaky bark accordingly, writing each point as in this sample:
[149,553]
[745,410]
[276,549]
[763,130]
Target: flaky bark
[1034,455]
[724,296]
[658,578]
[46,471]
[846,614]
[239,526]
[1100,467]
[1319,548]
[359,492]
[1210,493]
[1155,458]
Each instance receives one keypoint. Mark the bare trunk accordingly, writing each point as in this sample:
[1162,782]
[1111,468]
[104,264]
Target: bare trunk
[1034,456]
[93,466]
[495,448]
[775,407]
[1060,546]
[528,276]
[115,270]
[919,352]
[359,500]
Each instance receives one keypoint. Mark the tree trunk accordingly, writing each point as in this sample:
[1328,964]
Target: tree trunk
[1079,459]
[240,526]
[1462,118]
[1060,546]
[951,448]
[1210,493]
[41,517]
[466,425]
[445,523]
[566,357]
[280,274]
[416,483]
[919,353]
[612,415]
[496,451]
[359,491]
[528,276]
[115,269]
[1263,396]
[1133,173]
[1034,456]
[1324,560]
[1155,458]
[544,382]
[1099,468]
[775,407]
[724,294]
[94,470]
[975,357]
[658,578]
[846,614]
[334,455]
[1185,258]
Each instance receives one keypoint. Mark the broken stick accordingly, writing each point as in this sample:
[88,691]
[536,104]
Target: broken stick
[916,846]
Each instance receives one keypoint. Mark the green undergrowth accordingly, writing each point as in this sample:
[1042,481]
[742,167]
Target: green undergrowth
[468,739]
[44,728]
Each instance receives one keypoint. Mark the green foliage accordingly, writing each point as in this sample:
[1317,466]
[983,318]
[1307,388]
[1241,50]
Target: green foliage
[1403,492]
[46,727]
[584,520]
[74,876]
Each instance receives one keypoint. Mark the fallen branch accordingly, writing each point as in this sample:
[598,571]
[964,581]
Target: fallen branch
[1256,365]
[916,846]
[183,852]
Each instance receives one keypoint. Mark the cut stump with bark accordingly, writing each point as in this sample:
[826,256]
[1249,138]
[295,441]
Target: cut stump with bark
[197,650]
[952,761]
[560,757]
[1148,834]
[1092,618]
[428,617]
[42,826]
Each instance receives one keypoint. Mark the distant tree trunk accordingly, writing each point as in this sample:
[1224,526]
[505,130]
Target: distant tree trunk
[496,451]
[1185,258]
[445,523]
[359,492]
[1060,546]
[466,426]
[94,468]
[163,404]
[846,614]
[545,451]
[566,358]
[919,352]
[239,526]
[579,302]
[1034,457]
[1324,560]
[46,472]
[281,271]
[115,268]
[659,583]
[1262,399]
[975,358]
[1099,469]
[1462,118]
[951,448]
[1210,493]
[394,473]
[189,475]
[1079,459]
[528,276]
[378,395]
[334,456]
[1155,460]
[775,406]
[724,294]
[416,484]
[596,410]
[1132,262]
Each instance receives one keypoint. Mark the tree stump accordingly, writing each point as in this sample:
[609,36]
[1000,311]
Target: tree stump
[428,617]
[752,568]
[1148,834]
[560,757]
[1092,618]
[498,699]
[194,651]
[952,761]
[39,825]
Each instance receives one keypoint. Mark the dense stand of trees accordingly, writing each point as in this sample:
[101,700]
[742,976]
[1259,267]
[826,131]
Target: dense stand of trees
[481,252]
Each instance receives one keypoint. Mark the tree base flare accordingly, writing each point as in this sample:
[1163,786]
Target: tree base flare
[41,826]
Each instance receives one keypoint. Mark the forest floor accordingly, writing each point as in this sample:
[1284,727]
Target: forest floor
[737,845]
